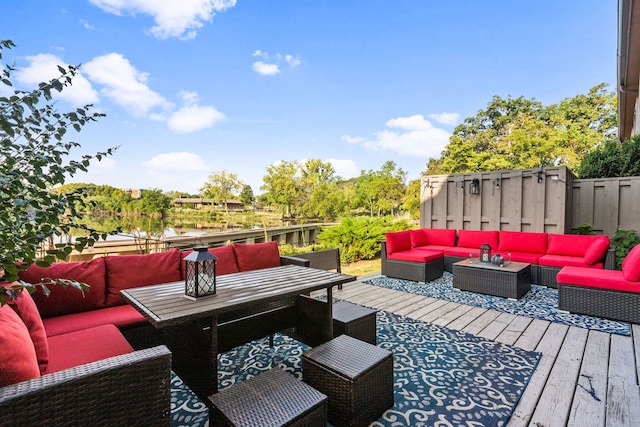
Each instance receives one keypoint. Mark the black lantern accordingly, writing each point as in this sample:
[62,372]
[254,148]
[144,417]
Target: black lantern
[474,187]
[200,273]
[485,252]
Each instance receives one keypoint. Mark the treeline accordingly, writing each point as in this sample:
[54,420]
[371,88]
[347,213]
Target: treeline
[108,200]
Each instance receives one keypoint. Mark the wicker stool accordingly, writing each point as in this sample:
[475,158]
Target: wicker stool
[274,398]
[355,321]
[355,375]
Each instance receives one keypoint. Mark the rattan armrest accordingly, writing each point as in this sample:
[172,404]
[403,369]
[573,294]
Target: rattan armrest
[132,389]
[291,260]
[610,260]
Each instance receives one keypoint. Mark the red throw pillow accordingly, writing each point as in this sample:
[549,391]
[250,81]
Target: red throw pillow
[18,360]
[28,312]
[418,238]
[257,255]
[133,271]
[398,241]
[68,300]
[631,265]
[597,250]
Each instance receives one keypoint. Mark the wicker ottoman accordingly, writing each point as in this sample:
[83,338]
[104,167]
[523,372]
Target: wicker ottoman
[274,398]
[355,321]
[355,375]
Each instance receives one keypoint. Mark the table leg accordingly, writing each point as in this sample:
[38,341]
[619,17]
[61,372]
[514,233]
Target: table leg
[213,361]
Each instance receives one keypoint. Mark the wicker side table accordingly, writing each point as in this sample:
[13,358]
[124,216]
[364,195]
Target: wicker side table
[355,375]
[354,320]
[274,398]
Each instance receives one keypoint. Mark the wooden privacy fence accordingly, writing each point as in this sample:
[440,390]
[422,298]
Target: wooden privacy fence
[541,199]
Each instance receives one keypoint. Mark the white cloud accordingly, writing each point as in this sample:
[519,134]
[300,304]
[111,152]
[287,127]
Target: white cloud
[265,69]
[125,85]
[192,117]
[446,118]
[416,137]
[294,62]
[181,19]
[86,24]
[345,168]
[167,171]
[44,67]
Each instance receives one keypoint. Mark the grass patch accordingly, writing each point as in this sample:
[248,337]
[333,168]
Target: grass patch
[362,268]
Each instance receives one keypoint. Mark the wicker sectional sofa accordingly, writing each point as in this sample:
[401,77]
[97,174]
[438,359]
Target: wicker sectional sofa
[422,255]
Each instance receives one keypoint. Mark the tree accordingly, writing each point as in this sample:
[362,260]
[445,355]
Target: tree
[381,191]
[246,195]
[519,133]
[411,200]
[612,159]
[35,158]
[221,187]
[153,202]
[281,185]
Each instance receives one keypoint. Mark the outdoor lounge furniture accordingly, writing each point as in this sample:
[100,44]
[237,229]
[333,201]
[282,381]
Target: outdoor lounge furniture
[509,281]
[612,294]
[356,376]
[354,320]
[273,398]
[416,254]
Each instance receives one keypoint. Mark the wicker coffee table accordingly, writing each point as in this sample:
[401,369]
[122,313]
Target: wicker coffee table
[510,281]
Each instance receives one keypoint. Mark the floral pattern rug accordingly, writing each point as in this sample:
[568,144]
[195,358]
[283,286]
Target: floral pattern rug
[441,376]
[539,303]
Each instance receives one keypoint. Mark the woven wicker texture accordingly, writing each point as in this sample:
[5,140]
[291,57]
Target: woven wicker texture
[274,398]
[356,376]
[354,320]
[624,306]
[511,281]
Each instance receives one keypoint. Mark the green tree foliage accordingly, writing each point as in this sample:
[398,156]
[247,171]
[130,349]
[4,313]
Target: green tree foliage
[153,202]
[612,159]
[359,238]
[381,192]
[246,195]
[624,241]
[520,133]
[35,158]
[221,186]
[282,186]
[411,200]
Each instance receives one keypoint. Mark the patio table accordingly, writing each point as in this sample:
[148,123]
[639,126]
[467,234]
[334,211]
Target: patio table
[248,305]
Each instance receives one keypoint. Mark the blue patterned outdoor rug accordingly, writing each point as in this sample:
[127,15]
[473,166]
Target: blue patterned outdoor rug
[441,376]
[539,303]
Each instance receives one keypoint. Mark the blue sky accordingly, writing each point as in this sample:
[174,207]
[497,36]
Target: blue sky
[195,86]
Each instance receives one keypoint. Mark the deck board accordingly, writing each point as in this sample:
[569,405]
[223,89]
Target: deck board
[556,394]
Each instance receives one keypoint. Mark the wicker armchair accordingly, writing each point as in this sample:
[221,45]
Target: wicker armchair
[132,389]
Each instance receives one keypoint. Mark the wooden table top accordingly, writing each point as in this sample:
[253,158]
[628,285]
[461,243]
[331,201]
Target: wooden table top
[165,304]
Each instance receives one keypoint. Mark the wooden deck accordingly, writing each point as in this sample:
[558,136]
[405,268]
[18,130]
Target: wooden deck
[585,378]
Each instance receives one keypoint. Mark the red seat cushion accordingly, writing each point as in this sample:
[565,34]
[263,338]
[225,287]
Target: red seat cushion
[458,251]
[523,242]
[225,264]
[530,258]
[398,241]
[68,300]
[18,361]
[441,236]
[257,256]
[603,279]
[564,260]
[133,271]
[122,316]
[476,238]
[85,346]
[631,265]
[28,312]
[597,251]
[416,255]
[570,244]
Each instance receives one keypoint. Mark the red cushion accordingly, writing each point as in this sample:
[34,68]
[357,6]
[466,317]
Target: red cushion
[398,241]
[18,360]
[225,264]
[597,251]
[462,252]
[85,346]
[570,244]
[441,236]
[564,260]
[122,316]
[256,256]
[604,279]
[133,271]
[68,300]
[523,241]
[28,312]
[527,257]
[476,238]
[418,237]
[416,255]
[631,265]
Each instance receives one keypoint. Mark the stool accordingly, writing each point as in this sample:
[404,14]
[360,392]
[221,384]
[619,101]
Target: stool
[354,320]
[356,376]
[274,398]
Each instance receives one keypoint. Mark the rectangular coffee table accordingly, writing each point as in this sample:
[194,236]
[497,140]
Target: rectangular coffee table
[510,281]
